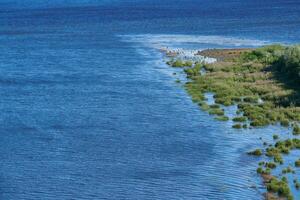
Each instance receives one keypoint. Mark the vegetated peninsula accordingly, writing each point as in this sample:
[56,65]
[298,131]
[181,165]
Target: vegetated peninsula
[264,83]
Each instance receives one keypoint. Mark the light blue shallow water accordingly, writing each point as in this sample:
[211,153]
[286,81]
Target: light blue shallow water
[89,110]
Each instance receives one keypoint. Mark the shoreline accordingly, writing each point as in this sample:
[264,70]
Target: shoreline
[238,68]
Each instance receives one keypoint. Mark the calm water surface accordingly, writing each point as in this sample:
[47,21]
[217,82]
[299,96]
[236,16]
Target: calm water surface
[89,110]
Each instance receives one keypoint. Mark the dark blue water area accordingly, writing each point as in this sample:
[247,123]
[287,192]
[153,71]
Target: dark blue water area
[89,110]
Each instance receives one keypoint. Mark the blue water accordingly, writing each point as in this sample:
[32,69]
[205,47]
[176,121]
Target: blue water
[89,110]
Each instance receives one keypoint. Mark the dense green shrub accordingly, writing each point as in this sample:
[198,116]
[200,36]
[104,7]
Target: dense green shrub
[251,99]
[270,165]
[259,170]
[280,187]
[289,62]
[193,71]
[296,130]
[239,119]
[268,54]
[216,111]
[222,118]
[180,63]
[285,122]
[214,106]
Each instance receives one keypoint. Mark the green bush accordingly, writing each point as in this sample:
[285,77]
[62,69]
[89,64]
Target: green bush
[214,106]
[180,63]
[267,54]
[216,111]
[278,159]
[287,170]
[261,163]
[289,62]
[297,184]
[236,99]
[297,163]
[251,99]
[259,122]
[222,118]
[280,187]
[239,119]
[296,130]
[259,170]
[285,122]
[237,126]
[275,137]
[188,63]
[272,151]
[270,165]
[256,152]
[204,106]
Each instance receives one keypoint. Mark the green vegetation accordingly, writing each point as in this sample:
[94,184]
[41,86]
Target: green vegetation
[296,129]
[251,99]
[256,152]
[216,111]
[261,163]
[282,147]
[278,159]
[260,170]
[280,187]
[275,137]
[289,62]
[193,71]
[180,63]
[239,119]
[204,106]
[284,122]
[237,126]
[265,85]
[297,163]
[215,106]
[222,118]
[297,184]
[252,77]
[288,170]
[270,165]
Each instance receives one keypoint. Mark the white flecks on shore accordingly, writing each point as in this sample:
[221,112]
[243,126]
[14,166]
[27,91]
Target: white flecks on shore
[186,54]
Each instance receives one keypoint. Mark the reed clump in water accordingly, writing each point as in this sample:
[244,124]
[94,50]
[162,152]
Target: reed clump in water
[222,118]
[256,152]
